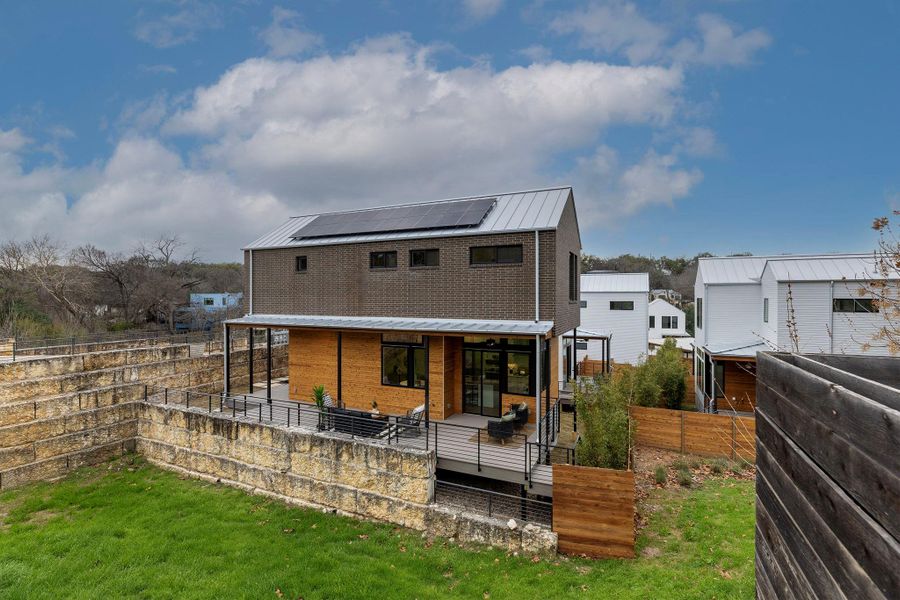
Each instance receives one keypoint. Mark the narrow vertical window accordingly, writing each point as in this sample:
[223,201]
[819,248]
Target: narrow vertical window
[698,317]
[300,264]
[765,310]
[573,277]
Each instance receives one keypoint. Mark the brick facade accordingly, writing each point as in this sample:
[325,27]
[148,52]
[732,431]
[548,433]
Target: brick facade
[338,280]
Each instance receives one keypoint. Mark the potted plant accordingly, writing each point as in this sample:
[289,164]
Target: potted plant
[318,396]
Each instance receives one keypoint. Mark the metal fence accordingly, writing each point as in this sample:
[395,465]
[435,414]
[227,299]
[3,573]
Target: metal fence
[493,504]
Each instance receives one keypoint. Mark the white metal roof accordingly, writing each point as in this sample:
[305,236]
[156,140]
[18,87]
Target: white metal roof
[518,211]
[615,282]
[746,349]
[858,267]
[588,333]
[808,267]
[731,269]
[660,301]
[681,342]
[460,326]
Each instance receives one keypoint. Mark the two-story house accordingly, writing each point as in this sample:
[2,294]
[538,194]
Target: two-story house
[456,305]
[794,303]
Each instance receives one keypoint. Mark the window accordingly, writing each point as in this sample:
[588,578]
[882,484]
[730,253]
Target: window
[573,277]
[675,322]
[652,321]
[495,255]
[209,301]
[383,260]
[424,258]
[621,305]
[855,305]
[518,373]
[300,264]
[403,361]
[583,304]
[516,359]
[765,310]
[667,322]
[719,381]
[699,314]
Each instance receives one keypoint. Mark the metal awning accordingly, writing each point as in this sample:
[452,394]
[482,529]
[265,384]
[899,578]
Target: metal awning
[407,324]
[736,350]
[587,334]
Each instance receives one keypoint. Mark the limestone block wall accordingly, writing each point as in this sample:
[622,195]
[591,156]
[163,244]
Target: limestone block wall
[59,413]
[381,482]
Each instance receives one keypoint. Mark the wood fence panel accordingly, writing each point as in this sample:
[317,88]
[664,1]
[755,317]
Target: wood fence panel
[707,435]
[657,427]
[695,433]
[827,482]
[593,511]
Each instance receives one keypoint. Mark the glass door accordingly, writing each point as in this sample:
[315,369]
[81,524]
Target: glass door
[481,381]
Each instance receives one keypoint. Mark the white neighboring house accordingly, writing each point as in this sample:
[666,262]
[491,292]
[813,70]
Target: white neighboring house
[665,320]
[744,305]
[616,304]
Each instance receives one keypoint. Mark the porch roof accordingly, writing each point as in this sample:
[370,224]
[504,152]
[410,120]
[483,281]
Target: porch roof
[408,324]
[736,350]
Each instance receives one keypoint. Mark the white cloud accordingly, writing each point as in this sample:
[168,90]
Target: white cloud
[537,53]
[720,44]
[179,27]
[617,190]
[481,10]
[158,69]
[286,36]
[701,142]
[382,122]
[617,27]
[613,27]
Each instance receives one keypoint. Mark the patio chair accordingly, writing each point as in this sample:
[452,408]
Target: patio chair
[409,425]
[503,428]
[521,411]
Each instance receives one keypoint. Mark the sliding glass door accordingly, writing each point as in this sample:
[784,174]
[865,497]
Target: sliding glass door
[481,378]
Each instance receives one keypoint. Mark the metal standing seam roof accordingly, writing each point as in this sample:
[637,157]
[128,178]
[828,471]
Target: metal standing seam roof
[747,349]
[462,326]
[731,269]
[518,211]
[853,267]
[615,282]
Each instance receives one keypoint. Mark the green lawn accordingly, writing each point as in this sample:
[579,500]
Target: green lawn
[128,529]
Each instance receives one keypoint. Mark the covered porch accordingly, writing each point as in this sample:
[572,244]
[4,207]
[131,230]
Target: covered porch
[725,377]
[434,383]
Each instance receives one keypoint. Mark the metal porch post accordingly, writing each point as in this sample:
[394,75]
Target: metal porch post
[226,351]
[427,341]
[575,354]
[538,380]
[340,396]
[269,364]
[250,361]
[550,426]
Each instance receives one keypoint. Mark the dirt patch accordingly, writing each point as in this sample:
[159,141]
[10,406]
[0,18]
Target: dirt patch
[664,469]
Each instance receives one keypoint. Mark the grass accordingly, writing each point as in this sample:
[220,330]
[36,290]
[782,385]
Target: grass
[127,529]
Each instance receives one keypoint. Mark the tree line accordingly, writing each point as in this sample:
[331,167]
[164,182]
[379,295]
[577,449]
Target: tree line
[48,289]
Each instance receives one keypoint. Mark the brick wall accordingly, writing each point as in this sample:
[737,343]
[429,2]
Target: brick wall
[338,280]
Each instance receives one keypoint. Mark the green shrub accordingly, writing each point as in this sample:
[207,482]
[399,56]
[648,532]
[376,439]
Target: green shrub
[681,464]
[668,371]
[660,475]
[684,477]
[603,422]
[718,466]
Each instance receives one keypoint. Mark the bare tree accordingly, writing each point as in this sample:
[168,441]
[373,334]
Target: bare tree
[885,290]
[125,274]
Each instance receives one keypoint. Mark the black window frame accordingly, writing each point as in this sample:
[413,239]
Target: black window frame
[507,346]
[385,255]
[496,250]
[209,301]
[426,253]
[411,349]
[765,310]
[666,319]
[854,305]
[301,264]
[573,277]
[674,321]
[652,321]
[698,314]
[621,304]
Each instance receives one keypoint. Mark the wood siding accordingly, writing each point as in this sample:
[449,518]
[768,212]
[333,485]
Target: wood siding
[593,511]
[827,523]
[695,433]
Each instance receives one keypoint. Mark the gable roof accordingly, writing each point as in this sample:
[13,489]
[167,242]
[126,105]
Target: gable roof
[660,301]
[834,267]
[615,282]
[534,210]
[716,270]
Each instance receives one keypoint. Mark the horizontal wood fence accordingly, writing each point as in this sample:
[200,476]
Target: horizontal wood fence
[7,347]
[828,478]
[593,511]
[587,367]
[702,434]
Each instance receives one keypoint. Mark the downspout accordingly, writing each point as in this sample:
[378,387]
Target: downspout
[831,325]
[251,282]
[537,337]
[537,276]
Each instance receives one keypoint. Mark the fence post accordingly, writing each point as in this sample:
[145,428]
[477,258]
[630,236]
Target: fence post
[732,437]
[479,450]
[682,432]
[490,504]
[187,399]
[145,393]
[166,395]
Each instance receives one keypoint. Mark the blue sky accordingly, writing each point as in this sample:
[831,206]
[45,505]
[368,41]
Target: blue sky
[685,126]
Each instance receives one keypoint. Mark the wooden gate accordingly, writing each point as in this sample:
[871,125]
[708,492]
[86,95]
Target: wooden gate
[593,511]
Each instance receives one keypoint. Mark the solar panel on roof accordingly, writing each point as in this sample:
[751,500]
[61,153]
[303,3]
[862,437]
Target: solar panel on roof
[459,213]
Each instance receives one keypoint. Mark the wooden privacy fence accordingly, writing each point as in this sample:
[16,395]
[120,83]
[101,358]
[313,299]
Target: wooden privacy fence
[7,347]
[828,477]
[593,511]
[695,433]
